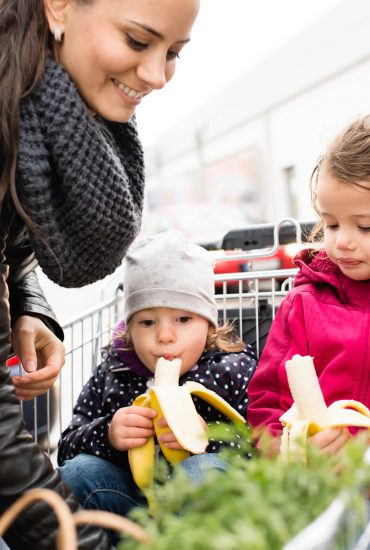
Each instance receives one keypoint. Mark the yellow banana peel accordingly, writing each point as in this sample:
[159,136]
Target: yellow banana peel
[309,414]
[175,404]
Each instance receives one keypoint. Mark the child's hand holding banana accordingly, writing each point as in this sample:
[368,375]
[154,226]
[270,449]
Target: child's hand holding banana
[309,415]
[131,427]
[179,430]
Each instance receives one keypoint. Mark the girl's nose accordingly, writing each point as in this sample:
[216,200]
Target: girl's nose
[166,333]
[345,241]
[152,70]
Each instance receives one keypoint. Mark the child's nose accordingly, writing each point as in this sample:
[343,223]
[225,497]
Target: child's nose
[166,334]
[345,240]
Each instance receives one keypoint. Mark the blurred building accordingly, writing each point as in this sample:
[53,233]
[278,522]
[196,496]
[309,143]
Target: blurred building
[250,151]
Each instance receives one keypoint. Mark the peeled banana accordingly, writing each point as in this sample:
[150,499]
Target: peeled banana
[309,413]
[175,404]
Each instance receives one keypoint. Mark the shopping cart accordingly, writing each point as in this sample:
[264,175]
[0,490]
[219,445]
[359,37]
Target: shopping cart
[250,299]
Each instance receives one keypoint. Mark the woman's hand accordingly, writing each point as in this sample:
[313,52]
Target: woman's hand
[131,427]
[331,440]
[41,354]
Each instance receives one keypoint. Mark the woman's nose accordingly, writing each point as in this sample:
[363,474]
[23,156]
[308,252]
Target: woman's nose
[152,70]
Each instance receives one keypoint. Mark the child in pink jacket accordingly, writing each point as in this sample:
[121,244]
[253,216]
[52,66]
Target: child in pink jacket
[327,314]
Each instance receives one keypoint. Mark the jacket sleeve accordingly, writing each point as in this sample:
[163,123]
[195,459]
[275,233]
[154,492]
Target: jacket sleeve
[88,429]
[27,298]
[23,467]
[269,394]
[25,294]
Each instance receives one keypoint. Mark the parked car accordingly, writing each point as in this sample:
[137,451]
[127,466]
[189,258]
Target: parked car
[258,237]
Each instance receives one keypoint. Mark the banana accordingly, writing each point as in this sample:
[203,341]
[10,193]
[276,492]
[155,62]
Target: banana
[309,414]
[175,404]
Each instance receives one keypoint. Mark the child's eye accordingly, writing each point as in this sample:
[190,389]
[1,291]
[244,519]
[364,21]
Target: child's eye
[184,319]
[135,44]
[364,229]
[331,226]
[146,322]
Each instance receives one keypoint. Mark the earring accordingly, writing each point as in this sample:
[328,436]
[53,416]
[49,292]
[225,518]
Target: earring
[58,34]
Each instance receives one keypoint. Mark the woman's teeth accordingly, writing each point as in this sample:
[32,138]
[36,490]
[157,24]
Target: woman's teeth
[128,91]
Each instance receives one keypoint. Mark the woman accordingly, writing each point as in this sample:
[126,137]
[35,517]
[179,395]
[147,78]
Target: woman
[72,73]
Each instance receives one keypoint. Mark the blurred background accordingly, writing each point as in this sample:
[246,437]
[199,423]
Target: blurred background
[233,138]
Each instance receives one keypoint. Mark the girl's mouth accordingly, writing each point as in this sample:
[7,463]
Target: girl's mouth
[169,356]
[348,262]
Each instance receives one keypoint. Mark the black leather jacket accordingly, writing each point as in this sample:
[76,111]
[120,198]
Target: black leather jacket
[23,465]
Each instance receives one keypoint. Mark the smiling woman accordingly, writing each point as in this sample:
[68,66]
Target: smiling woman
[71,191]
[116,52]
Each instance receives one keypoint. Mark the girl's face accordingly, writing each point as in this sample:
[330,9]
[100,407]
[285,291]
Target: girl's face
[345,210]
[169,333]
[118,51]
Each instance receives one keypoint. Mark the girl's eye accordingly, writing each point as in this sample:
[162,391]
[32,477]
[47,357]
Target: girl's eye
[171,55]
[146,323]
[135,44]
[364,229]
[332,226]
[184,319]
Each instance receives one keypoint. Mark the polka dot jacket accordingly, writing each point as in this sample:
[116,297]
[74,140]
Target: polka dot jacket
[120,379]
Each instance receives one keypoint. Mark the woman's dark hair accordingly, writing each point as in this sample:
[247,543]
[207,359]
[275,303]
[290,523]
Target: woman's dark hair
[23,44]
[347,159]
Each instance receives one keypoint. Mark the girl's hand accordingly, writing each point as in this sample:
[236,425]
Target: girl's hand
[168,438]
[331,440]
[41,354]
[131,427]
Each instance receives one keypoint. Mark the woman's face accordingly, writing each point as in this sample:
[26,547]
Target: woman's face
[118,51]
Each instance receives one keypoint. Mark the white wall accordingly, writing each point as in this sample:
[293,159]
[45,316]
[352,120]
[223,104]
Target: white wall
[288,108]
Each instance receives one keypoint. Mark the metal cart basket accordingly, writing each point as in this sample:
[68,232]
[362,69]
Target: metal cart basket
[249,298]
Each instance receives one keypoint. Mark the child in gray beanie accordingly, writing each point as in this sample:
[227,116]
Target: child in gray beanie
[170,312]
[168,270]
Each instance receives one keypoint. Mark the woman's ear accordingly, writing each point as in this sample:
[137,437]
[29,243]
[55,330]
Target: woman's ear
[56,13]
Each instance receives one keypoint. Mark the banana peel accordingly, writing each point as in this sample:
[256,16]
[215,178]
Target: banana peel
[309,414]
[175,404]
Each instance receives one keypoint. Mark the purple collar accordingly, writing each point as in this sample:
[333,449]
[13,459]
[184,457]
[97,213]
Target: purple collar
[128,356]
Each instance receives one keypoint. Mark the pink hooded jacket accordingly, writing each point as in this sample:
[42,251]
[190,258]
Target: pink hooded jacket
[327,316]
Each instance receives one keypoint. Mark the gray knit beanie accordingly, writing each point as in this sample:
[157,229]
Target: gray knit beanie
[167,270]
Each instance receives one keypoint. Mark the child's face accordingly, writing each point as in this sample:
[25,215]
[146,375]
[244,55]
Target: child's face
[345,211]
[169,333]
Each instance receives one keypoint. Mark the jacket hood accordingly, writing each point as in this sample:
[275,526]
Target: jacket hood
[128,356]
[316,267]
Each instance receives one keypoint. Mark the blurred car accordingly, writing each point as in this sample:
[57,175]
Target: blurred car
[259,237]
[35,411]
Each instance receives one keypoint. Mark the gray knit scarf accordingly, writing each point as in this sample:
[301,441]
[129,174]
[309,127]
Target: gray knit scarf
[81,181]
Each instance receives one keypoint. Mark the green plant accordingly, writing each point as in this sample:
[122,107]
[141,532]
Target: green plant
[258,504]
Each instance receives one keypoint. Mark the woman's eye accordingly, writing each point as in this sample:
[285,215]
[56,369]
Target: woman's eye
[171,55]
[135,44]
